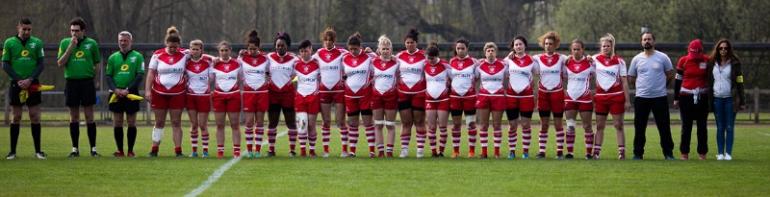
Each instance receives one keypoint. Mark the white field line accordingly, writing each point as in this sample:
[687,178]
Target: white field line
[213,178]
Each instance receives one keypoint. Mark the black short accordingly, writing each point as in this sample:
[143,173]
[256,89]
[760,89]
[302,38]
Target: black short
[408,105]
[460,112]
[366,112]
[513,114]
[13,95]
[125,105]
[547,114]
[80,92]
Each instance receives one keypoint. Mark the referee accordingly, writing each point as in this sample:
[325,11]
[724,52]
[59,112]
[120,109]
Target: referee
[125,69]
[79,55]
[23,62]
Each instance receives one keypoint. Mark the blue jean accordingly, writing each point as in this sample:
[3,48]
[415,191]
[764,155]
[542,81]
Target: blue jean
[725,117]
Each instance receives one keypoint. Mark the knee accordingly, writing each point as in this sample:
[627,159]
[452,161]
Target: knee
[176,123]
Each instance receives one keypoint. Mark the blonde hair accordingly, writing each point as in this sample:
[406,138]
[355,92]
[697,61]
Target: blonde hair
[224,44]
[197,42]
[611,39]
[172,35]
[384,41]
[490,45]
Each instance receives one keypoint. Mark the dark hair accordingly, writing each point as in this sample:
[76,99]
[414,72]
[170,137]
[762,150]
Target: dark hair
[253,37]
[432,50]
[172,35]
[412,34]
[463,41]
[79,22]
[329,33]
[518,37]
[582,45]
[305,44]
[282,36]
[649,32]
[716,57]
[25,21]
[355,39]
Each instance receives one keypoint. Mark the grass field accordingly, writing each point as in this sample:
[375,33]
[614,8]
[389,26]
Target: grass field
[747,175]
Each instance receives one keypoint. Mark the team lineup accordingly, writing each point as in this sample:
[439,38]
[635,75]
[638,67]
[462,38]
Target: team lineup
[360,87]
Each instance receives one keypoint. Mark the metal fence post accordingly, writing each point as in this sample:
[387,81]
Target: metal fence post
[756,105]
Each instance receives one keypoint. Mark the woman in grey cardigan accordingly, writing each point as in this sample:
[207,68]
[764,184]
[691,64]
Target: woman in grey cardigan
[726,80]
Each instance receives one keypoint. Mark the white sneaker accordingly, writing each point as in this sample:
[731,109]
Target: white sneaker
[10,156]
[420,153]
[325,155]
[344,154]
[40,155]
[728,157]
[720,157]
[404,153]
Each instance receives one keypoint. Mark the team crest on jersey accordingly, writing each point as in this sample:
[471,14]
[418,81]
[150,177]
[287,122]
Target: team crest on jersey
[411,59]
[87,47]
[492,69]
[433,69]
[384,64]
[197,67]
[32,45]
[355,61]
[254,62]
[549,60]
[328,56]
[132,59]
[307,68]
[460,64]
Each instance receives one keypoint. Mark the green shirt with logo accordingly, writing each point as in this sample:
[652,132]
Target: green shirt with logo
[123,68]
[23,55]
[82,60]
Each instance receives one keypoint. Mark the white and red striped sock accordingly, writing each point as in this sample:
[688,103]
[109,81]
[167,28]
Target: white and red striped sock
[497,137]
[389,148]
[249,139]
[344,138]
[559,141]
[352,139]
[325,137]
[303,141]
[484,140]
[621,149]
[456,135]
[432,140]
[472,137]
[406,136]
[260,131]
[236,150]
[312,138]
[205,142]
[589,143]
[512,139]
[597,149]
[442,138]
[369,131]
[220,149]
[271,134]
[543,140]
[420,140]
[570,142]
[194,139]
[526,139]
[292,133]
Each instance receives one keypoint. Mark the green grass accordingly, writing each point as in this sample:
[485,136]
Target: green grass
[747,175]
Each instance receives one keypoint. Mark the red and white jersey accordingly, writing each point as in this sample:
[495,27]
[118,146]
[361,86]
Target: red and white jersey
[520,75]
[463,75]
[609,73]
[578,79]
[171,77]
[330,61]
[410,66]
[384,75]
[281,71]
[550,69]
[358,73]
[254,71]
[198,72]
[492,76]
[437,80]
[226,80]
[308,76]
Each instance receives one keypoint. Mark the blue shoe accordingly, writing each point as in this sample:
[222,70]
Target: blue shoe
[249,155]
[257,155]
[511,156]
[205,154]
[194,154]
[525,156]
[637,157]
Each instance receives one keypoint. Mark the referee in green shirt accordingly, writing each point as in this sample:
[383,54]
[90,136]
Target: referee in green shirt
[79,55]
[125,69]
[23,62]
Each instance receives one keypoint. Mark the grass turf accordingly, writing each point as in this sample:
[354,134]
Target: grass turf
[747,175]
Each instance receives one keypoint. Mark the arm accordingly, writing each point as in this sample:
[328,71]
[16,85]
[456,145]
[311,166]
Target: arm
[739,85]
[65,55]
[38,69]
[678,79]
[9,70]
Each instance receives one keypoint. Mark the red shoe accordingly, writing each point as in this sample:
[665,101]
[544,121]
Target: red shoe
[685,157]
[472,153]
[131,154]
[220,155]
[119,154]
[236,154]
[302,153]
[381,154]
[389,155]
[497,153]
[312,153]
[455,154]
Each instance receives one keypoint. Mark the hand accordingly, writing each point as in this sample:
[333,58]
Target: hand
[676,104]
[121,92]
[511,54]
[74,41]
[242,52]
[628,106]
[148,95]
[368,50]
[24,84]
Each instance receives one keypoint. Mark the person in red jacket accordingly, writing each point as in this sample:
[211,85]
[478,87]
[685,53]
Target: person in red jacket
[690,93]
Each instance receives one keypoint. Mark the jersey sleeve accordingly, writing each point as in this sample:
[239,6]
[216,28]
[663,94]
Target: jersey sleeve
[667,63]
[62,48]
[623,69]
[96,55]
[109,66]
[140,58]
[153,62]
[6,46]
[40,53]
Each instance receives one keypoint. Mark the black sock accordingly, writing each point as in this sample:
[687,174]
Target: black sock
[36,136]
[91,134]
[119,138]
[14,136]
[75,133]
[131,138]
